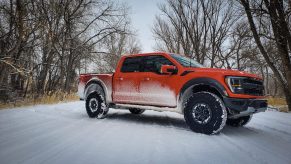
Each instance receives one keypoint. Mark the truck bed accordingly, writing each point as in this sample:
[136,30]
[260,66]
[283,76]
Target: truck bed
[105,79]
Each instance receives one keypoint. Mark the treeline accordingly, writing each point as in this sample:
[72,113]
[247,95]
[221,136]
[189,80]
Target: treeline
[248,35]
[45,44]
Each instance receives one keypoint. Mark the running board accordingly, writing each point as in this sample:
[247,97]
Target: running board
[160,109]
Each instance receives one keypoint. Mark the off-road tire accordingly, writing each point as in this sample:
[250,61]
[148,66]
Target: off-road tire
[136,111]
[100,110]
[238,122]
[213,104]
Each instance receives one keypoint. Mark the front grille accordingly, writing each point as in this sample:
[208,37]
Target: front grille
[253,86]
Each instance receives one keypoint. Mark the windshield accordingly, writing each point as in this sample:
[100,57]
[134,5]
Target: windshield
[186,62]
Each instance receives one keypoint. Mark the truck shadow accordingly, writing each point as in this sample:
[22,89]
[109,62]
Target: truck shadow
[150,119]
[174,123]
[240,131]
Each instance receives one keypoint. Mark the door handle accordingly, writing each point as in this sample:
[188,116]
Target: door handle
[146,78]
[120,78]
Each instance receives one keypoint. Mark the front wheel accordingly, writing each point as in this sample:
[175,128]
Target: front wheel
[205,113]
[136,111]
[238,122]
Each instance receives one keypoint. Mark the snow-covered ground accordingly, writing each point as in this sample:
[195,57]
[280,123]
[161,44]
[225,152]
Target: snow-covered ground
[63,133]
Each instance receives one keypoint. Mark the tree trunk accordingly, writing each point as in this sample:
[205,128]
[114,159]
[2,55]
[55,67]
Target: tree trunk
[267,89]
[288,98]
[275,87]
[285,82]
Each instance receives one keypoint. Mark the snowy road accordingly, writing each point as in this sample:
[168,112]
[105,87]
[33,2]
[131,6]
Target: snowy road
[63,133]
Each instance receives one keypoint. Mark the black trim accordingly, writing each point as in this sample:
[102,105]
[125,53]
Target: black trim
[93,82]
[239,105]
[186,72]
[246,85]
[173,71]
[204,81]
[93,88]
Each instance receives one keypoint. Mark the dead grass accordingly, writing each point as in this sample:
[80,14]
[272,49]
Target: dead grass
[274,101]
[60,96]
[45,99]
[279,103]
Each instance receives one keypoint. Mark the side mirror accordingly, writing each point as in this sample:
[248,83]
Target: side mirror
[168,70]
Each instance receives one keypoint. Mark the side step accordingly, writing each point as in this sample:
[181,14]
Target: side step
[155,108]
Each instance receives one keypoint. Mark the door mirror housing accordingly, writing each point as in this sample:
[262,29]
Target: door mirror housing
[168,70]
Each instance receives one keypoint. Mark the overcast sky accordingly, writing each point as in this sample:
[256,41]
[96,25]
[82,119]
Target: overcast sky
[142,17]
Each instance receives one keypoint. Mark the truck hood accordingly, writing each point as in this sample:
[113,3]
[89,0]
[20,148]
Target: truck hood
[225,72]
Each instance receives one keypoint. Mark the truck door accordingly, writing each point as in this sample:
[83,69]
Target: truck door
[125,83]
[154,88]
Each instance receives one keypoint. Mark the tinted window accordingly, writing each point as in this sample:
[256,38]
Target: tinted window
[131,64]
[186,62]
[154,63]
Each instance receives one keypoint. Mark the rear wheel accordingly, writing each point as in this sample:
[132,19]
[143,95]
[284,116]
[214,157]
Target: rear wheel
[96,106]
[205,112]
[136,111]
[238,122]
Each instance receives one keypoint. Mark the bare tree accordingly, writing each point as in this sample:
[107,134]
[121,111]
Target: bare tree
[199,29]
[43,43]
[116,45]
[274,13]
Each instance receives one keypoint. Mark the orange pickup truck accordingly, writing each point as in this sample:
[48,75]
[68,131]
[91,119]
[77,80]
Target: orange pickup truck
[208,98]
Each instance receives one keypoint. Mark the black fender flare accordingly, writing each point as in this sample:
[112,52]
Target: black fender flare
[206,81]
[94,86]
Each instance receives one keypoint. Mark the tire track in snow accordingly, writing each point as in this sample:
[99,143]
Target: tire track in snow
[260,146]
[67,144]
[243,149]
[53,135]
[275,129]
[271,128]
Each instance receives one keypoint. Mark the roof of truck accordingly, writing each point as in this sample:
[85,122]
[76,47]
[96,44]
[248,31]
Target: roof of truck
[148,53]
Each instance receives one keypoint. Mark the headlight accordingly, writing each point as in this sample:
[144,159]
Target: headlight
[235,84]
[245,85]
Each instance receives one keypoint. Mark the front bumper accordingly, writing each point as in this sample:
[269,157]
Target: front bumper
[243,107]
